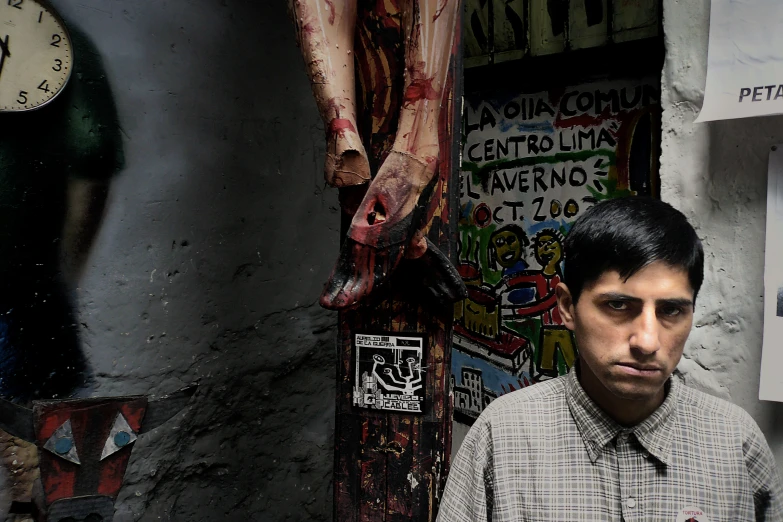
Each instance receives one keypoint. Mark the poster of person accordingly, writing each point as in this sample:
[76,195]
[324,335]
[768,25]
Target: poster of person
[532,163]
[771,384]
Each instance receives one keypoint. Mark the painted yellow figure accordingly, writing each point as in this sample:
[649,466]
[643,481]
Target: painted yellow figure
[507,249]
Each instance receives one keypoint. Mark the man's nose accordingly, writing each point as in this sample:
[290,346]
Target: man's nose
[644,337]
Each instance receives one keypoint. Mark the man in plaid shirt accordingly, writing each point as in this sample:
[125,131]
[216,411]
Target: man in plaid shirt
[618,438]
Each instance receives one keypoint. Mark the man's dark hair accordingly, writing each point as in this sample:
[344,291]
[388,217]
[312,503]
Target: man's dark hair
[627,234]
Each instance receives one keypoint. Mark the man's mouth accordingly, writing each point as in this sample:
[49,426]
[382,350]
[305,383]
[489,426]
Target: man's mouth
[643,370]
[508,256]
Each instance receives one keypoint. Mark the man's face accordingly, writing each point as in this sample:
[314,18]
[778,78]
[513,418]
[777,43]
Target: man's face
[508,248]
[631,334]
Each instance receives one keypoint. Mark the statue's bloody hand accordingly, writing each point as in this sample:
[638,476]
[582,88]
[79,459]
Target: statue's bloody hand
[387,226]
[381,230]
[386,230]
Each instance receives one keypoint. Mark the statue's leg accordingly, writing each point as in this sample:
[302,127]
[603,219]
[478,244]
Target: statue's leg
[383,230]
[325,32]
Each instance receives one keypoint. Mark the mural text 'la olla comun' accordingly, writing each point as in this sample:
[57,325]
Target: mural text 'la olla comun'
[531,164]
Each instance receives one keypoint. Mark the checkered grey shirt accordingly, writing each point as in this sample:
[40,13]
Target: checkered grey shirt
[548,453]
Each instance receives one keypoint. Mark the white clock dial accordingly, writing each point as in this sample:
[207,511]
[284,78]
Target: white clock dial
[36,55]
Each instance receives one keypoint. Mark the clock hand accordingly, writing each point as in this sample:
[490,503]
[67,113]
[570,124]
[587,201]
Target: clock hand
[5,51]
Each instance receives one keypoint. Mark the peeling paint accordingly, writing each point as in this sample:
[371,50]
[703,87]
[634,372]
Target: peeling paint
[412,481]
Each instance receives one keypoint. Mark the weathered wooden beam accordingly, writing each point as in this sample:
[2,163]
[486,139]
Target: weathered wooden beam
[392,466]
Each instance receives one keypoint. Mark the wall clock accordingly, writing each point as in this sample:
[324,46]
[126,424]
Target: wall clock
[36,54]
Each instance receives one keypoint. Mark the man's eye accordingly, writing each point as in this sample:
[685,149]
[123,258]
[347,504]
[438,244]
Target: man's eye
[617,305]
[671,311]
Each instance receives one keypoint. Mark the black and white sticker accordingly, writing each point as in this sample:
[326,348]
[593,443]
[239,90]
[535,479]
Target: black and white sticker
[389,372]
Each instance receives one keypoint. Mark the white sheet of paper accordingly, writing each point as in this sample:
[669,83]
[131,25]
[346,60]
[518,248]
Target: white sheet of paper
[771,386]
[745,60]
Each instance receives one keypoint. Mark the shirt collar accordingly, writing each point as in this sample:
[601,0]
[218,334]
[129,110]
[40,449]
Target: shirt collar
[598,429]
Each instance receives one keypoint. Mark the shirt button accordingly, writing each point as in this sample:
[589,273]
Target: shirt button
[631,502]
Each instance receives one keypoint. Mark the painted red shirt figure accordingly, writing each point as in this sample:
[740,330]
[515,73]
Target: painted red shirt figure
[556,349]
[546,304]
[548,248]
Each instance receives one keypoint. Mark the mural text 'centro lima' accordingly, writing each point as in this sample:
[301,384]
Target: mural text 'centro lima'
[531,164]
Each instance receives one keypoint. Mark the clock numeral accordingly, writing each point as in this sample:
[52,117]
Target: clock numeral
[40,17]
[58,65]
[16,3]
[56,39]
[44,86]
[22,97]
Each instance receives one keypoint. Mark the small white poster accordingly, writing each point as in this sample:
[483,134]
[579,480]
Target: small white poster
[388,372]
[771,387]
[745,60]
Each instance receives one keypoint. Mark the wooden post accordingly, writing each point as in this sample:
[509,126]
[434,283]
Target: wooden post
[392,466]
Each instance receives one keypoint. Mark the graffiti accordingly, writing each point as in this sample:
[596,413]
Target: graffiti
[515,22]
[504,30]
[389,373]
[476,25]
[84,448]
[532,163]
[558,15]
[595,12]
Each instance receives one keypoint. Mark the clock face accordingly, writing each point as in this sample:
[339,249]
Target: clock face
[35,55]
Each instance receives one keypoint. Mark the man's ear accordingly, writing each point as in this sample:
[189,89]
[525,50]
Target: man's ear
[566,305]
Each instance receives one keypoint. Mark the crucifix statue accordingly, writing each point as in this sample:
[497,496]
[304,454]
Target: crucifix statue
[387,207]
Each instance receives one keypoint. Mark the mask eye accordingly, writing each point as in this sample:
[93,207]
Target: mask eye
[61,443]
[120,436]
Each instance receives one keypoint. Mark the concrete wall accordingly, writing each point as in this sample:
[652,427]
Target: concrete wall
[217,239]
[717,174]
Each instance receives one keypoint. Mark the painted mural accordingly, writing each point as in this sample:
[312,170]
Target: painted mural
[531,164]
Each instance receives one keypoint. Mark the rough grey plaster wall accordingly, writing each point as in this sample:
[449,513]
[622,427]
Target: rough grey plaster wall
[217,239]
[717,174]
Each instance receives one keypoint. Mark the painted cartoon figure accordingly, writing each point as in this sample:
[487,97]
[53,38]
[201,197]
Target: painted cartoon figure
[84,446]
[507,248]
[554,338]
[386,223]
